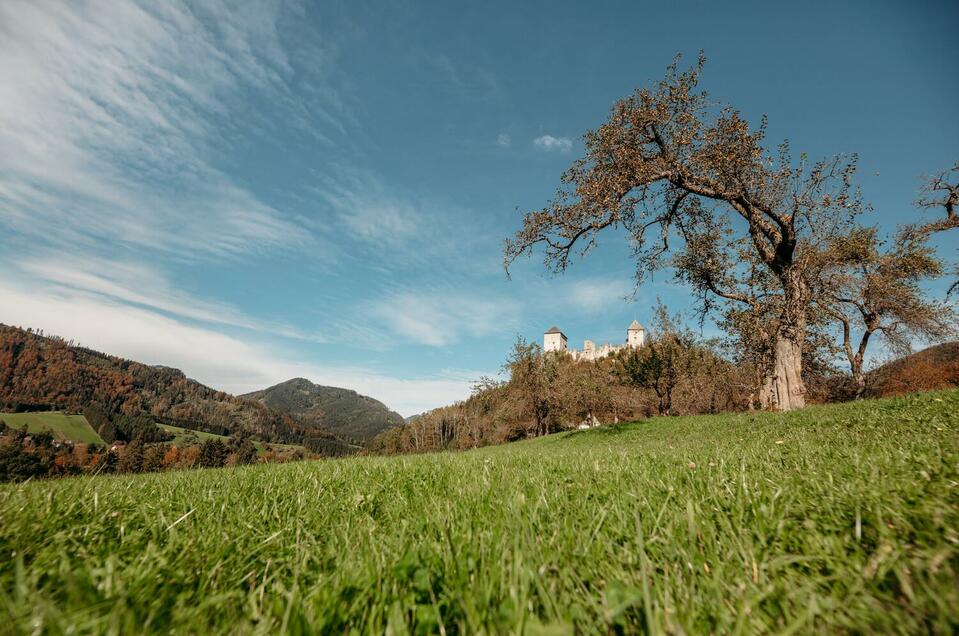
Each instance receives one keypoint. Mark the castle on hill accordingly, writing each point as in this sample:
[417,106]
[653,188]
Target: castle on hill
[555,340]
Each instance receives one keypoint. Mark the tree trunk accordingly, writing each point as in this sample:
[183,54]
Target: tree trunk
[783,388]
[665,399]
[859,379]
[856,361]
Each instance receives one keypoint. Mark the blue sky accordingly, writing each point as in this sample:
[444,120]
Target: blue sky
[256,191]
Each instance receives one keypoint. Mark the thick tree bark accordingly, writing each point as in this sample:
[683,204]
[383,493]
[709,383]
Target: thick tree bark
[783,388]
[665,401]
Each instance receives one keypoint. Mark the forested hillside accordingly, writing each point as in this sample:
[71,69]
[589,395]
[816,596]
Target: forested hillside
[932,368]
[40,372]
[346,413]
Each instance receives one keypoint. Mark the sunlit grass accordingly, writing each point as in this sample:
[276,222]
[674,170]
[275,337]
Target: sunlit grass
[191,437]
[186,436]
[839,518]
[57,423]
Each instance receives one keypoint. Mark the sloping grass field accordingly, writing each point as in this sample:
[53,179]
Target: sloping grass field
[834,519]
[191,437]
[58,423]
[186,436]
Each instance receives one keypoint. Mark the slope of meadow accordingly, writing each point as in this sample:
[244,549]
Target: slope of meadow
[185,436]
[838,518]
[61,425]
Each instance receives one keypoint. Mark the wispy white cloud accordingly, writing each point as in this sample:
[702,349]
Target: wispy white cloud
[367,210]
[138,285]
[454,74]
[439,318]
[597,295]
[503,140]
[400,229]
[110,122]
[550,143]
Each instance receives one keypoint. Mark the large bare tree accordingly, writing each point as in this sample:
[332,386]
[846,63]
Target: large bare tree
[670,165]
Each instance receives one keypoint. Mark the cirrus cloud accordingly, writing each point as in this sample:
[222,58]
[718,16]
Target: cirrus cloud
[112,117]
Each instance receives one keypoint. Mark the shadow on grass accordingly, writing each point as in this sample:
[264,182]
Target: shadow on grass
[605,430]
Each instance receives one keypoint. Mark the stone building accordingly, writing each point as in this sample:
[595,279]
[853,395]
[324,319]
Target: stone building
[555,340]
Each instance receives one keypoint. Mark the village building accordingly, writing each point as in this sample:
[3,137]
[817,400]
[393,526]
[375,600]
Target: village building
[555,340]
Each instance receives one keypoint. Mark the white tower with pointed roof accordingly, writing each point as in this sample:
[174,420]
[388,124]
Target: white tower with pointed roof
[554,340]
[635,335]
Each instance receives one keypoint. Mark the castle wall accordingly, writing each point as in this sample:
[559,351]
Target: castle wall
[635,339]
[593,354]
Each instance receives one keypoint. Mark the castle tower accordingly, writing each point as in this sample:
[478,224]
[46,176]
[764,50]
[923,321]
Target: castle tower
[588,353]
[635,335]
[554,340]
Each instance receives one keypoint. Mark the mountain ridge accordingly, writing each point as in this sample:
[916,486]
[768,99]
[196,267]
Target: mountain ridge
[42,372]
[347,413]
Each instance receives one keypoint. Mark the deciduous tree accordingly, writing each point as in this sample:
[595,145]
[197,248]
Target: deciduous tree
[587,391]
[873,290]
[532,385]
[669,165]
[940,191]
[667,358]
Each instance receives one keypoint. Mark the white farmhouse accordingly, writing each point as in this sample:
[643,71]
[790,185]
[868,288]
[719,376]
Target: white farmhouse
[555,340]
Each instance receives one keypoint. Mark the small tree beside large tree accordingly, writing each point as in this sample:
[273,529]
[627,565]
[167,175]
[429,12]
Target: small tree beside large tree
[940,191]
[668,357]
[668,164]
[871,289]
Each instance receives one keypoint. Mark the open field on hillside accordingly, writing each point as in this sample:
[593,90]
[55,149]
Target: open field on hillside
[262,446]
[186,436]
[63,426]
[190,437]
[831,519]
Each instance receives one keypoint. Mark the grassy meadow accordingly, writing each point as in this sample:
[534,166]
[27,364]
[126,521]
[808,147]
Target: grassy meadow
[188,437]
[833,519]
[59,424]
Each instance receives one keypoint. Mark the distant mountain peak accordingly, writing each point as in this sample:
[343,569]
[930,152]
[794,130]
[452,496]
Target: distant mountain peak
[53,373]
[347,413]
